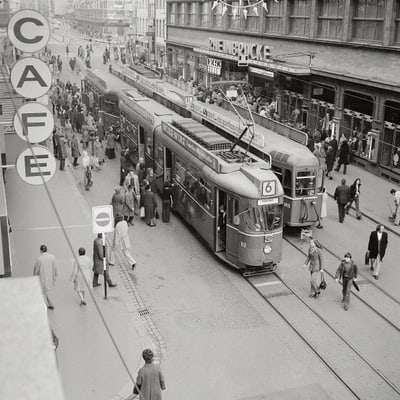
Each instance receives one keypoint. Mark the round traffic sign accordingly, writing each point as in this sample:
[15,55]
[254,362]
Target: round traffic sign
[31,77]
[34,164]
[33,122]
[28,31]
[103,219]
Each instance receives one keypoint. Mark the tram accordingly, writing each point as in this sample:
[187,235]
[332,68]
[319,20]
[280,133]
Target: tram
[232,199]
[295,165]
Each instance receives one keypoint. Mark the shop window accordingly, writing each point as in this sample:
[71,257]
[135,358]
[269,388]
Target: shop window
[299,17]
[234,15]
[217,16]
[274,17]
[204,12]
[192,17]
[368,17]
[253,19]
[390,155]
[330,18]
[171,13]
[181,14]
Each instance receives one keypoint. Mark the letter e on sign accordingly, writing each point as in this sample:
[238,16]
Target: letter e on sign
[33,122]
[31,77]
[28,31]
[268,188]
[29,169]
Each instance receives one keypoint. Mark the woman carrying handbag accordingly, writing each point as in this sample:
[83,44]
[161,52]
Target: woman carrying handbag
[314,263]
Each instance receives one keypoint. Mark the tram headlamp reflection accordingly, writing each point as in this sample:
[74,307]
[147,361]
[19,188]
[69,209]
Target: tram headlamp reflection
[267,249]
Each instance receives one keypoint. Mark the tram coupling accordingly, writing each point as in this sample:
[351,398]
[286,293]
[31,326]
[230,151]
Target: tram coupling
[255,271]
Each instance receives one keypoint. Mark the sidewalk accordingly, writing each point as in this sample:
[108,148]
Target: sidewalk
[375,198]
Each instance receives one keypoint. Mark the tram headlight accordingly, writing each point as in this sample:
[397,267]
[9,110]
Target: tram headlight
[267,249]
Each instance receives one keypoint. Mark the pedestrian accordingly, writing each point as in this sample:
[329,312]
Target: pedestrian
[63,154]
[110,144]
[128,210]
[55,138]
[329,161]
[45,268]
[355,197]
[396,215]
[81,273]
[342,197]
[166,197]
[314,263]
[97,153]
[121,240]
[346,272]
[344,156]
[149,202]
[98,263]
[75,153]
[85,136]
[117,202]
[324,211]
[150,380]
[377,244]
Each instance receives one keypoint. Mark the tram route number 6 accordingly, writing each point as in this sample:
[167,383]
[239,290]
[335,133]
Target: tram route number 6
[268,188]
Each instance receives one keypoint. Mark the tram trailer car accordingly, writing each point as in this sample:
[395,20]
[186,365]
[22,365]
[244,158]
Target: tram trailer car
[203,179]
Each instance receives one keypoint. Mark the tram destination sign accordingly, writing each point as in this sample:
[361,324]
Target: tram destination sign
[203,155]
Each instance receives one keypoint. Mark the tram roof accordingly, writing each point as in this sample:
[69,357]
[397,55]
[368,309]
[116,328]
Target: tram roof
[265,140]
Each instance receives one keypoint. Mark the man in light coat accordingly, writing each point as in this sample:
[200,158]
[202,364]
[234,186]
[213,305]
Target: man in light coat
[45,269]
[121,240]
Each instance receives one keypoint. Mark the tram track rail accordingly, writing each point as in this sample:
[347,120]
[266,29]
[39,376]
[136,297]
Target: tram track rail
[354,293]
[315,346]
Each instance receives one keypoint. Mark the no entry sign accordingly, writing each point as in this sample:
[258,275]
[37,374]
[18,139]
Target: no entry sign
[102,219]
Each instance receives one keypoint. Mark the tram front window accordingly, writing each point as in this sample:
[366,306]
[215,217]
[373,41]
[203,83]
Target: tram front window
[263,218]
[306,183]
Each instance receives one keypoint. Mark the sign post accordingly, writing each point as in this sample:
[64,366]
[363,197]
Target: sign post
[103,222]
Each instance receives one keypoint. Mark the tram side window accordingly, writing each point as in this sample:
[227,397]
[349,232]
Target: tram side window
[233,209]
[149,144]
[287,182]
[263,218]
[305,183]
[191,180]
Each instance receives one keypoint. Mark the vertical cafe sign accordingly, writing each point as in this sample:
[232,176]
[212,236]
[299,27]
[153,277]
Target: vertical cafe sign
[31,78]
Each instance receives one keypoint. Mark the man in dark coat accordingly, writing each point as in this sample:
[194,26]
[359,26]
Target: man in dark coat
[347,272]
[98,266]
[344,156]
[75,153]
[342,197]
[377,244]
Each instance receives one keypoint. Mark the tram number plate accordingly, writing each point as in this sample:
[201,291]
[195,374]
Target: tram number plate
[268,188]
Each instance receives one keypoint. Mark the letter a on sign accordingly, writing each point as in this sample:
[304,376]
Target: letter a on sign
[31,77]
[28,31]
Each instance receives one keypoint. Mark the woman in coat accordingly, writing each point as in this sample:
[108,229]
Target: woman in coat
[344,156]
[149,202]
[330,161]
[355,196]
[314,263]
[75,153]
[110,145]
[150,380]
[377,244]
[128,210]
[117,202]
[79,275]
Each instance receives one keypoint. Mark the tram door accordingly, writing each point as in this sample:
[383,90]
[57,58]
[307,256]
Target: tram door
[167,164]
[220,244]
[232,233]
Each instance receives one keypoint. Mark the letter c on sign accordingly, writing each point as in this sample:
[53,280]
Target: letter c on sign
[20,36]
[28,31]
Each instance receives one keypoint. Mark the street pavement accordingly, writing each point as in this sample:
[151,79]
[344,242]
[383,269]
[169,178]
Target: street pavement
[88,363]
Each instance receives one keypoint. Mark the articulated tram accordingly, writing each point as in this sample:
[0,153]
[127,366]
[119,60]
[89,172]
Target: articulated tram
[232,199]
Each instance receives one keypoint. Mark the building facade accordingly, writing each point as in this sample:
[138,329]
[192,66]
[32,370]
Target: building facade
[329,64]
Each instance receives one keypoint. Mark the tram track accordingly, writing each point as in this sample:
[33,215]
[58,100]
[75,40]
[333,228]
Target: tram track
[356,294]
[316,332]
